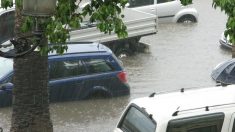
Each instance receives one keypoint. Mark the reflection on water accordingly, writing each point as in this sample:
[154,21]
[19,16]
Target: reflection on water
[182,56]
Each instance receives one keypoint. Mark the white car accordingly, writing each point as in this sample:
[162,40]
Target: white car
[224,41]
[166,10]
[193,110]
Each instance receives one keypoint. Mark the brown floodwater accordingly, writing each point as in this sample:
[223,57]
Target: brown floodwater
[181,56]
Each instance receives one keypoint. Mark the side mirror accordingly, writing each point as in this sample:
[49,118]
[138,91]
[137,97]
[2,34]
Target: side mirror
[127,5]
[6,86]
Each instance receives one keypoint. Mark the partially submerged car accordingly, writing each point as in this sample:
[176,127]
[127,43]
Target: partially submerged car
[224,72]
[166,10]
[194,110]
[87,70]
[224,41]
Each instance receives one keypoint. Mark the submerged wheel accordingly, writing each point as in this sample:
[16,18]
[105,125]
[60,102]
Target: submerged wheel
[187,19]
[99,95]
[123,53]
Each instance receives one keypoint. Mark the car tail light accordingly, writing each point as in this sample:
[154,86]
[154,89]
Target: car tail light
[122,76]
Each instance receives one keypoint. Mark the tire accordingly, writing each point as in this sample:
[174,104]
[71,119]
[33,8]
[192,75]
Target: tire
[187,19]
[99,95]
[123,53]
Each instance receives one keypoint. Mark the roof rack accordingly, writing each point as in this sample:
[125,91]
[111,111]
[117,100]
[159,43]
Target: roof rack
[222,84]
[71,43]
[207,108]
[182,90]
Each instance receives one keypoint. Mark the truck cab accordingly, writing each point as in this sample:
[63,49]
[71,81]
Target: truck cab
[186,110]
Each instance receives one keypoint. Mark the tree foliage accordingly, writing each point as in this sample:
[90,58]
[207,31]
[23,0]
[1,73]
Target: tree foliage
[228,6]
[105,13]
[186,2]
[6,3]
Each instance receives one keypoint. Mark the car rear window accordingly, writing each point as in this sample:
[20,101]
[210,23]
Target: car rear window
[139,3]
[98,65]
[163,1]
[135,120]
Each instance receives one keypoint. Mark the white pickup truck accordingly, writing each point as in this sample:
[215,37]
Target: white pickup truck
[138,24]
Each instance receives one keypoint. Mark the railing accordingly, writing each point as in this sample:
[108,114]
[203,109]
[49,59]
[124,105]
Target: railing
[182,90]
[207,108]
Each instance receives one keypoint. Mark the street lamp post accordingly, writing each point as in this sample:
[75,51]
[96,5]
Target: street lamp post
[38,9]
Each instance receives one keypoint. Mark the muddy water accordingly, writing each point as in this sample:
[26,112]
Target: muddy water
[181,56]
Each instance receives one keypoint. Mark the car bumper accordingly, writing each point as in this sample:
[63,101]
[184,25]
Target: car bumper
[225,44]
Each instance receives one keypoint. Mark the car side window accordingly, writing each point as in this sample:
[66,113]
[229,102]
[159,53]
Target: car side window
[163,1]
[64,69]
[212,128]
[136,120]
[202,123]
[98,65]
[7,26]
[138,3]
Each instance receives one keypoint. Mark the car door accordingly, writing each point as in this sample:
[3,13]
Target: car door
[101,76]
[212,122]
[167,9]
[66,79]
[148,6]
[232,123]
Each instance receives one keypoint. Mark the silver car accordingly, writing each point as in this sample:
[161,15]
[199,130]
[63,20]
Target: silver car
[224,41]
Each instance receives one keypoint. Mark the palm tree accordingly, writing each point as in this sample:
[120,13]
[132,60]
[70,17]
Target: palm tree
[30,93]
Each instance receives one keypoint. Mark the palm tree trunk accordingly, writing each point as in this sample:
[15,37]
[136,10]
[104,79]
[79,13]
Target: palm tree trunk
[30,92]
[233,50]
[30,95]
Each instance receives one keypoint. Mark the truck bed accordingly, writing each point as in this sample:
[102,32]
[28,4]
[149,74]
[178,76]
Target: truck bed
[138,24]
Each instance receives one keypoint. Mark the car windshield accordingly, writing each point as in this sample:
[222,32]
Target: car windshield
[6,66]
[135,120]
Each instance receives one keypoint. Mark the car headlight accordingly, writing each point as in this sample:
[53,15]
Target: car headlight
[223,37]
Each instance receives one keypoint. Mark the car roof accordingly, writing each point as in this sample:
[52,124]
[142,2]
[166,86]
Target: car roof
[187,102]
[80,47]
[85,47]
[2,10]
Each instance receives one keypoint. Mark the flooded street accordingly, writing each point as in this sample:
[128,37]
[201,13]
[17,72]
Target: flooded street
[181,56]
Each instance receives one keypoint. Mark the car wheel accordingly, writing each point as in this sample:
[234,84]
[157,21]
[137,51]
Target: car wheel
[123,53]
[99,95]
[187,19]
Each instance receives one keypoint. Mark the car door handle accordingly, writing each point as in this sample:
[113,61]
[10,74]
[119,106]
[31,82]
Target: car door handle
[152,9]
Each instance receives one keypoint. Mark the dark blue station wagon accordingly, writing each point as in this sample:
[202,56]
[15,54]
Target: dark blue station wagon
[86,70]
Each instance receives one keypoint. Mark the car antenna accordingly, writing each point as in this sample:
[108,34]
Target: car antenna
[176,112]
[182,90]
